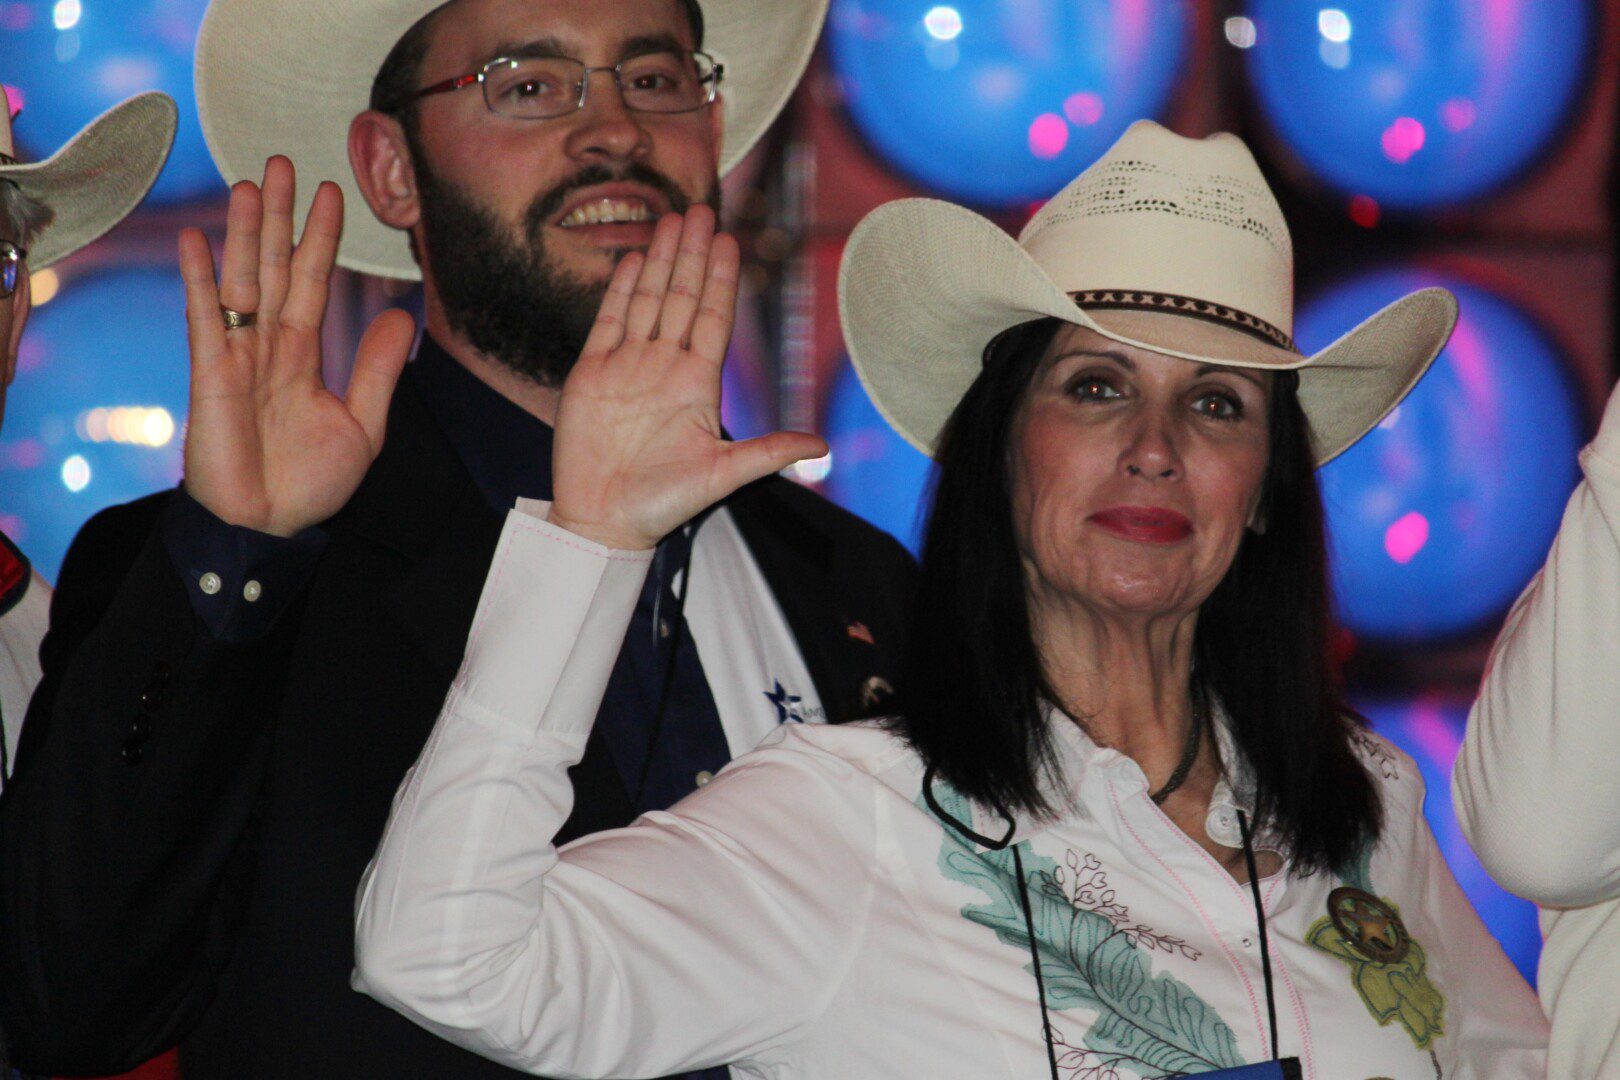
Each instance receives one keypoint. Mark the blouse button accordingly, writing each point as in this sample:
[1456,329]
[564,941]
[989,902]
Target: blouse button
[704,777]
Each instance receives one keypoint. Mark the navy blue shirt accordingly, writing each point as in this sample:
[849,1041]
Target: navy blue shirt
[658,717]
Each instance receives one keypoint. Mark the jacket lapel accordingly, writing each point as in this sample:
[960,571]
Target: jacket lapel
[796,558]
[419,503]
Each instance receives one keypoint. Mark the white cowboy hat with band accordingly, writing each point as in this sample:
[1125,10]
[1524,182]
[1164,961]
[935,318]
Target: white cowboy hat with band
[287,77]
[1166,243]
[93,182]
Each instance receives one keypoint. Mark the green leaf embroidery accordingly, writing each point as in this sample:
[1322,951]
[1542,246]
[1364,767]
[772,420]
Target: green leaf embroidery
[1152,1020]
[1392,992]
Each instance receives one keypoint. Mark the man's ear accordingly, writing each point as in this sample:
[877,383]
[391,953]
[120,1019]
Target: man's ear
[21,302]
[717,127]
[380,156]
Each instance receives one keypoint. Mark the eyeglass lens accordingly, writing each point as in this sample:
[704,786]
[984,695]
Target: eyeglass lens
[661,82]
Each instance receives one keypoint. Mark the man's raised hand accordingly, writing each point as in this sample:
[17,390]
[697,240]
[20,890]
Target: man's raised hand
[639,449]
[268,446]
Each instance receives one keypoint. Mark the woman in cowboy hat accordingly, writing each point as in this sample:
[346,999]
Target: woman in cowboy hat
[1124,825]
[48,210]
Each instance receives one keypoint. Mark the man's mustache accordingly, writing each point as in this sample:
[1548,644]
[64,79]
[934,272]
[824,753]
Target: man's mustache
[549,204]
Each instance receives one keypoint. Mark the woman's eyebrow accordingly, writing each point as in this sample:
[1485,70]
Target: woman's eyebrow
[1104,354]
[1241,372]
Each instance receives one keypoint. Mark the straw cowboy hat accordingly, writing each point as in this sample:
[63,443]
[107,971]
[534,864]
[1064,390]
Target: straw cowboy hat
[287,77]
[93,182]
[1169,244]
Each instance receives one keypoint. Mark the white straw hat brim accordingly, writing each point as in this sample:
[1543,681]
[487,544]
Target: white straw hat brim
[103,173]
[925,285]
[289,77]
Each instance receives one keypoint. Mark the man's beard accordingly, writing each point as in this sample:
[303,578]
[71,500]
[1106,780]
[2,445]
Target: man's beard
[503,293]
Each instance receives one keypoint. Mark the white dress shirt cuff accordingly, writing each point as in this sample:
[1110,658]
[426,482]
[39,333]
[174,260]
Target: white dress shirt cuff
[549,626]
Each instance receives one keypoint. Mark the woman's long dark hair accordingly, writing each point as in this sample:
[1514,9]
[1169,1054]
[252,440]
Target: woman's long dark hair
[973,682]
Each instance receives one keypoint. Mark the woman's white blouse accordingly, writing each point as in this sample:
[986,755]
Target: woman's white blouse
[805,915]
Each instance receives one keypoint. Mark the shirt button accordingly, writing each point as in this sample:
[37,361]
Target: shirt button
[132,753]
[1248,943]
[663,628]
[704,777]
[252,591]
[210,583]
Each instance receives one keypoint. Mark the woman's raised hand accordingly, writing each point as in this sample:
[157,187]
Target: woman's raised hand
[639,450]
[268,446]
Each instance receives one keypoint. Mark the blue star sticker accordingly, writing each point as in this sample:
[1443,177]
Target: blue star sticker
[784,703]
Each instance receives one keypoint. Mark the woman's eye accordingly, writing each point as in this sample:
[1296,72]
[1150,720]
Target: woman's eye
[1094,389]
[1219,406]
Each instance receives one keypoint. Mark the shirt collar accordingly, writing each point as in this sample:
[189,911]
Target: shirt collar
[1076,755]
[506,450]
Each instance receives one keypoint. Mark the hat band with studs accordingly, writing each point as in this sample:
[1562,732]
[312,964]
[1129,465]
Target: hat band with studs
[1134,300]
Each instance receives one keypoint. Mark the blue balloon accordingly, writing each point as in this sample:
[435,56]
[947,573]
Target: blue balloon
[1419,105]
[874,472]
[1441,515]
[999,103]
[97,413]
[1431,732]
[72,60]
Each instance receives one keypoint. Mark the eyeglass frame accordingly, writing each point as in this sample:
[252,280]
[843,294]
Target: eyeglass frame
[15,255]
[461,82]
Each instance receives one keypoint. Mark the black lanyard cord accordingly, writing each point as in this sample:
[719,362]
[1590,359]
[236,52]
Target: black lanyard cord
[1260,917]
[1035,958]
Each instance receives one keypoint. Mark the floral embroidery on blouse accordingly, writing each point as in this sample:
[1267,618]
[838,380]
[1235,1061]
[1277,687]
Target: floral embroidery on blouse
[1085,885]
[1152,1024]
[1376,752]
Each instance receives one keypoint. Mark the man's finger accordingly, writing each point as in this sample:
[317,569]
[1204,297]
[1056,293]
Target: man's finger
[377,364]
[717,309]
[642,319]
[686,281]
[205,330]
[753,459]
[276,236]
[239,268]
[312,262]
[608,331]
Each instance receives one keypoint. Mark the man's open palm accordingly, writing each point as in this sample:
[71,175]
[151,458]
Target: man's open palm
[268,446]
[639,449]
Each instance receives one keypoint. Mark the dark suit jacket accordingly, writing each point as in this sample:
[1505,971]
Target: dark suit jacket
[195,885]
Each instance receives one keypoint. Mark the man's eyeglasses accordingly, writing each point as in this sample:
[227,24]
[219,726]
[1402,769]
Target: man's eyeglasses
[11,258]
[546,87]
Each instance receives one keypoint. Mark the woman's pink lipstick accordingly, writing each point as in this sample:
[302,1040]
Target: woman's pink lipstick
[1145,524]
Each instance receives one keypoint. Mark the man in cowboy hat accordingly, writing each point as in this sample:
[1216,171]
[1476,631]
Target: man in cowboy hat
[48,210]
[250,665]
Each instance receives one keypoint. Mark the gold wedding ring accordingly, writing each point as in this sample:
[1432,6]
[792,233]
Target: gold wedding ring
[235,320]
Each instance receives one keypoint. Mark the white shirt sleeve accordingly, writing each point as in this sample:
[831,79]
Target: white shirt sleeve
[698,936]
[1494,1025]
[1534,784]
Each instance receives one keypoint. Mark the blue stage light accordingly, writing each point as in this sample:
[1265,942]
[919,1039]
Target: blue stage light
[1418,105]
[1431,732]
[97,413]
[1441,515]
[873,472]
[72,60]
[997,103]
